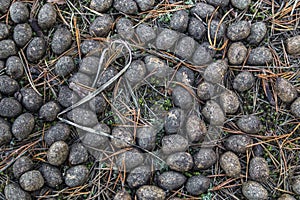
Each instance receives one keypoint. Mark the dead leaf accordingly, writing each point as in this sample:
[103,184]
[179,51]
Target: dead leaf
[59,2]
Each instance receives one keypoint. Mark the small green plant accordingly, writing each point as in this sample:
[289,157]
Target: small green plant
[189,2]
[166,18]
[90,165]
[141,101]
[188,174]
[207,196]
[167,104]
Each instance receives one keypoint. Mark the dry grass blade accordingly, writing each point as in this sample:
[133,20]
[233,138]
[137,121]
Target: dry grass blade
[59,2]
[27,71]
[104,86]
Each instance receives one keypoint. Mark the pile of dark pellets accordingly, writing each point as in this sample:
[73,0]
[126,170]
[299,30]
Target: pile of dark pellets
[183,138]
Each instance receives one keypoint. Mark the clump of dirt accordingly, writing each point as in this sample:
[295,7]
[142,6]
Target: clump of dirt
[230,164]
[4,31]
[58,153]
[180,161]
[237,53]
[61,41]
[36,49]
[139,176]
[205,158]
[254,190]
[171,180]
[22,165]
[14,67]
[47,16]
[23,126]
[7,48]
[32,181]
[243,81]
[64,66]
[52,175]
[19,12]
[238,30]
[101,26]
[197,185]
[76,176]
[49,111]
[58,132]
